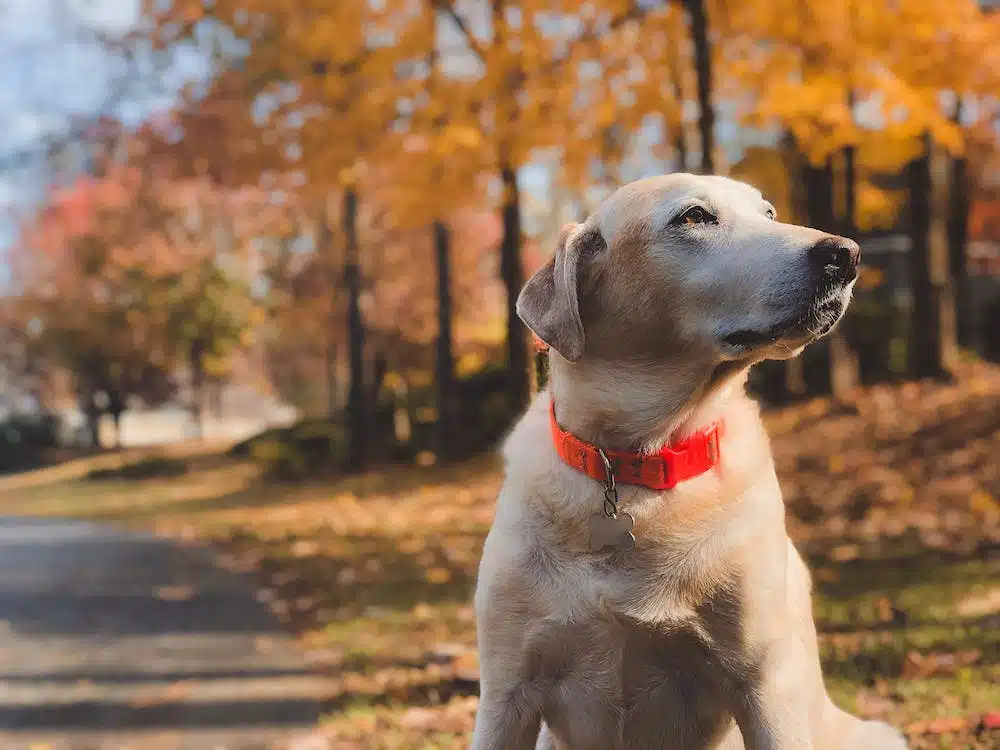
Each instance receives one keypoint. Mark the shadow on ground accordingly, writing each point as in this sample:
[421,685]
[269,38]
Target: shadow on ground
[105,631]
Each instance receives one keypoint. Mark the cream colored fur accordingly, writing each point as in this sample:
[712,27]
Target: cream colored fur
[702,636]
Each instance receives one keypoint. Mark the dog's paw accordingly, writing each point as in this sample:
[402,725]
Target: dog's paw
[876,735]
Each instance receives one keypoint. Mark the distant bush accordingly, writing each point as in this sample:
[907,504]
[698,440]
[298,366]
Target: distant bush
[318,447]
[305,449]
[25,440]
[484,410]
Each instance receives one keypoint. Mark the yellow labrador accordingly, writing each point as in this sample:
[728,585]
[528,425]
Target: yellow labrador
[619,612]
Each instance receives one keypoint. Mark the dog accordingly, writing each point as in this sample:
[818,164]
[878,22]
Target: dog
[637,589]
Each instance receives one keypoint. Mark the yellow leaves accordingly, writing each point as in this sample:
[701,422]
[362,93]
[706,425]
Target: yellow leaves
[870,278]
[464,136]
[985,503]
[606,113]
[347,177]
[437,575]
[877,208]
[886,151]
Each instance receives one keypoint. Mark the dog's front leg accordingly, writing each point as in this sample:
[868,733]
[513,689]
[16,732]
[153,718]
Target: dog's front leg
[509,715]
[508,721]
[772,704]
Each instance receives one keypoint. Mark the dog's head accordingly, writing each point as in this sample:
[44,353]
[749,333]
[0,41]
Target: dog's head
[688,266]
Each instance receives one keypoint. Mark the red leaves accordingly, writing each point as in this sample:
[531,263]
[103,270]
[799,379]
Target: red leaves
[991,720]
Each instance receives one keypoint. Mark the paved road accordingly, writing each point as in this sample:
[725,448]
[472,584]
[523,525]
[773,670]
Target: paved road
[111,640]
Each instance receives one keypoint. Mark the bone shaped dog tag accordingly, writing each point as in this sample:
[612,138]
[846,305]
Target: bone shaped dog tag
[607,531]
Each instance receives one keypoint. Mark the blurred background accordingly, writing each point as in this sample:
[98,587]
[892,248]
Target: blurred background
[258,265]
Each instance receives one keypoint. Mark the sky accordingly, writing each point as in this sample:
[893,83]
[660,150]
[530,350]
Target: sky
[50,71]
[53,69]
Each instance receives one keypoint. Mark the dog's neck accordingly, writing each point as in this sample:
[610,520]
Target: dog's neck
[638,407]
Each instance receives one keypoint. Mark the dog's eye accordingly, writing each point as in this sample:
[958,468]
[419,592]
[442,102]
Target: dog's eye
[771,214]
[695,215]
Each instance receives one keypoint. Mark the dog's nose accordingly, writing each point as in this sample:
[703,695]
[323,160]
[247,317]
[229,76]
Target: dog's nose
[837,256]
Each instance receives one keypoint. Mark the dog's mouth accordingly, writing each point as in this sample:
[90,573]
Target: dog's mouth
[815,321]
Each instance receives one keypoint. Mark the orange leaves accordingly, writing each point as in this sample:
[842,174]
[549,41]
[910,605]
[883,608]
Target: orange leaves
[803,60]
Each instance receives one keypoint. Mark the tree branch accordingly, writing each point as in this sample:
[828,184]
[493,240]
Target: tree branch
[470,39]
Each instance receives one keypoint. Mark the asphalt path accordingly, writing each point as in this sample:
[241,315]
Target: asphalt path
[112,640]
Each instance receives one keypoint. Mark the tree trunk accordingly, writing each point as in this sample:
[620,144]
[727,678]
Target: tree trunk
[958,231]
[357,437]
[794,384]
[218,391]
[680,146]
[93,416]
[676,90]
[445,358]
[379,370]
[324,240]
[331,371]
[819,195]
[838,360]
[931,345]
[116,418]
[512,273]
[845,366]
[197,364]
[94,430]
[116,407]
[793,381]
[703,68]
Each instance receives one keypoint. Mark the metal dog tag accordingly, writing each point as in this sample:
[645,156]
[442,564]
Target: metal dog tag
[612,531]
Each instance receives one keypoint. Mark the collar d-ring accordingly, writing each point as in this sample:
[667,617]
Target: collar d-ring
[610,489]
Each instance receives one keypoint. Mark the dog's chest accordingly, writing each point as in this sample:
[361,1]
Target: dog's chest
[612,685]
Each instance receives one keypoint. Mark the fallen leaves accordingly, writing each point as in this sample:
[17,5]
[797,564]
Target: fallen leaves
[176,593]
[899,464]
[438,575]
[157,696]
[942,725]
[919,665]
[305,548]
[980,603]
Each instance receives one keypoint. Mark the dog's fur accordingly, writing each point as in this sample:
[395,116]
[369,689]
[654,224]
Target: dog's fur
[702,636]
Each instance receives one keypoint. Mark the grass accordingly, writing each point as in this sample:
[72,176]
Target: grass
[376,572]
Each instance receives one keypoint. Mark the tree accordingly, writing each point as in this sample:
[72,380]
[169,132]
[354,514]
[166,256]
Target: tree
[85,296]
[958,232]
[129,274]
[332,91]
[698,15]
[445,364]
[932,350]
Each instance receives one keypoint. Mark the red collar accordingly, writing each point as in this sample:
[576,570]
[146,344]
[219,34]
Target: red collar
[662,470]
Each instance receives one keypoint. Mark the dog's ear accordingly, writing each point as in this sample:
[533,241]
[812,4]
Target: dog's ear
[549,304]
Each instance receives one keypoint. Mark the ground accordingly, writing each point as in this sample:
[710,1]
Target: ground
[892,497]
[112,638]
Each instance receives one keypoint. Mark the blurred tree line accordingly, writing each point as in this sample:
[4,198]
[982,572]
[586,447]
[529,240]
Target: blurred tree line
[341,209]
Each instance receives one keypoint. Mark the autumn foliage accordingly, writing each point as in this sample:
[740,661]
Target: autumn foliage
[347,195]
